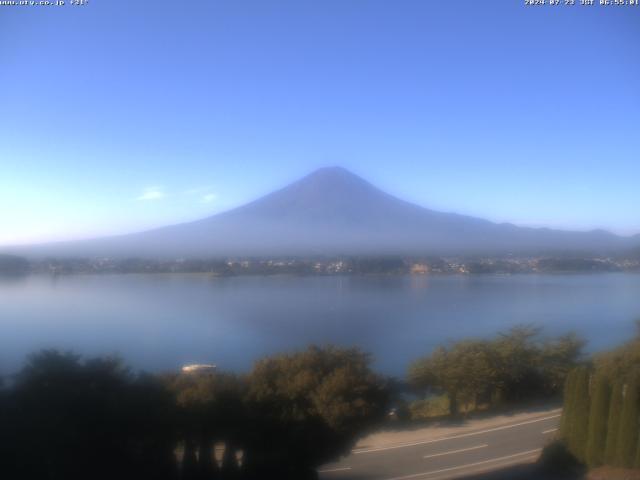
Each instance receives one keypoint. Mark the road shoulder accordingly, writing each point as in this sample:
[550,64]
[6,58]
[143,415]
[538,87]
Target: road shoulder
[396,438]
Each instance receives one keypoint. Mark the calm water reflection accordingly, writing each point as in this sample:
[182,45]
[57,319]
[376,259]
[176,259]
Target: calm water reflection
[162,321]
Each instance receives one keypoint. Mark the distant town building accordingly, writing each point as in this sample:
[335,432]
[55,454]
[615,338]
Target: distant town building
[419,269]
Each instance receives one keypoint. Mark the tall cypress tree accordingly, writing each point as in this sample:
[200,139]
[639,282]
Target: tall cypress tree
[628,431]
[598,418]
[613,423]
[567,408]
[579,419]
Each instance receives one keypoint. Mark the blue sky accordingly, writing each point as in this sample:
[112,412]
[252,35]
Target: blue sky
[120,116]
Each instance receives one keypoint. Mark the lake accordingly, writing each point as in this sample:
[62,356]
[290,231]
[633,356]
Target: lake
[158,322]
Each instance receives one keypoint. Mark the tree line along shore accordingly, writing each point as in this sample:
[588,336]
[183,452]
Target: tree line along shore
[340,265]
[66,417]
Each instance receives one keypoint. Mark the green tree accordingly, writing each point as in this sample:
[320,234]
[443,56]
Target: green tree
[211,409]
[628,430]
[579,420]
[526,366]
[515,367]
[613,423]
[464,372]
[568,402]
[621,362]
[308,408]
[516,362]
[598,417]
[74,419]
[558,356]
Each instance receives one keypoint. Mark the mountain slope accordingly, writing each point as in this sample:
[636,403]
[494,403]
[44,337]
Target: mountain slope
[333,211]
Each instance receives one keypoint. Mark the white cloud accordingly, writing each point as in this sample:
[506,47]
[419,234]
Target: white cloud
[209,197]
[152,193]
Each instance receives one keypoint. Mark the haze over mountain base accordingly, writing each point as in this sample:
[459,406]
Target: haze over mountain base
[334,212]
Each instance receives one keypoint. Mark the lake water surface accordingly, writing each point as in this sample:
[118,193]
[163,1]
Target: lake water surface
[160,322]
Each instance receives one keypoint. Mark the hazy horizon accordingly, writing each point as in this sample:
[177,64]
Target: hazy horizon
[232,208]
[493,110]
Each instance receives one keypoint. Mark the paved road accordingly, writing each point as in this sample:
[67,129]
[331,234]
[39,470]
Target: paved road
[448,457]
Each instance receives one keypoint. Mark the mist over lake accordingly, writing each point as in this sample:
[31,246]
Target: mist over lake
[158,322]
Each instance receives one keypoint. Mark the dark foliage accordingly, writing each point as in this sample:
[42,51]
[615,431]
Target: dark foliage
[516,367]
[613,423]
[579,419]
[598,420]
[601,415]
[12,265]
[628,429]
[378,265]
[68,419]
[65,418]
[556,461]
[309,406]
[568,400]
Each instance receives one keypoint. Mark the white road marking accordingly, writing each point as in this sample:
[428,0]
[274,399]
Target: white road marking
[463,435]
[551,430]
[490,467]
[456,451]
[475,464]
[329,470]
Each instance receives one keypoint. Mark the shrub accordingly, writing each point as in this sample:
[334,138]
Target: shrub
[434,406]
[567,410]
[598,417]
[579,420]
[310,406]
[613,422]
[628,430]
[556,460]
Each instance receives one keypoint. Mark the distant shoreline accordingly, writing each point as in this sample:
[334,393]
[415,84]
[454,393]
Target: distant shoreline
[325,266]
[319,275]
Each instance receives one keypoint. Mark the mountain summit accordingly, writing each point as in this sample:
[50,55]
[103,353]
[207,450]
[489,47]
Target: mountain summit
[333,211]
[328,196]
